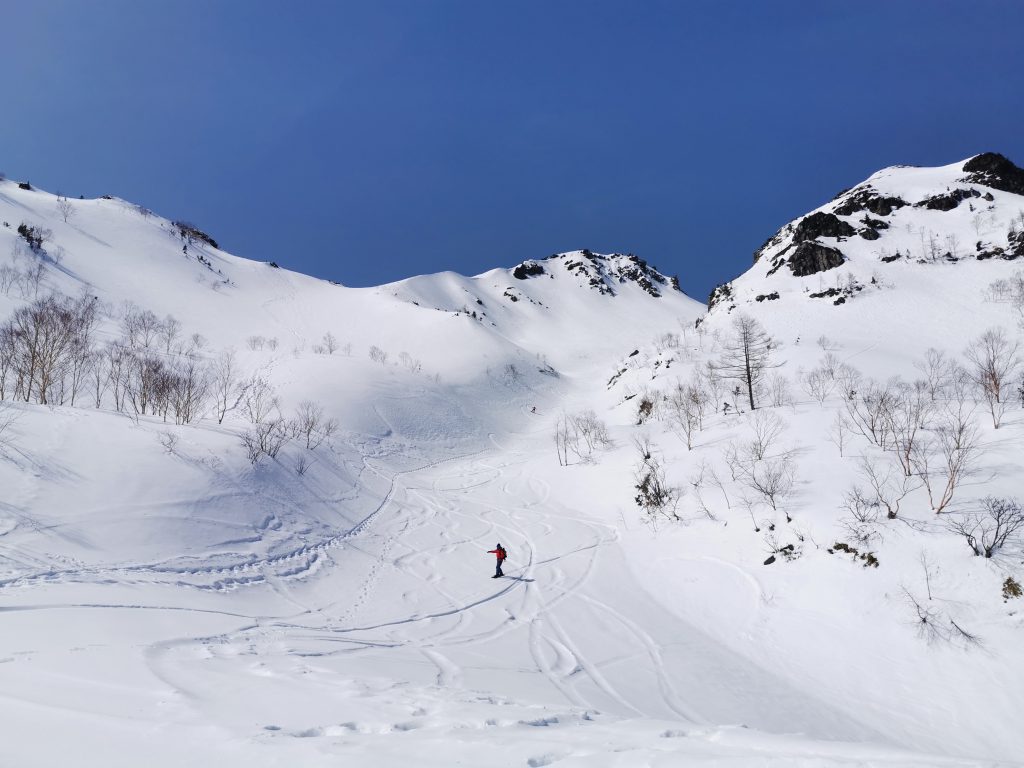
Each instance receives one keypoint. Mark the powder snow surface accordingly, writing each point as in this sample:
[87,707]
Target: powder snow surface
[172,605]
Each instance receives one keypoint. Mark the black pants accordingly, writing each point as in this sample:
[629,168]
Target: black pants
[497,571]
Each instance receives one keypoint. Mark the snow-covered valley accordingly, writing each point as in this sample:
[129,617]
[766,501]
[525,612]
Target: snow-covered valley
[258,534]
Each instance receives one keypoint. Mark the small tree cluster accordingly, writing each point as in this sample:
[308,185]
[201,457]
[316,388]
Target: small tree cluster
[577,436]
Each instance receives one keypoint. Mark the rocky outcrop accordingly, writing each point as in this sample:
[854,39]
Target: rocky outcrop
[867,199]
[821,224]
[811,257]
[996,171]
[719,294]
[527,269]
[948,201]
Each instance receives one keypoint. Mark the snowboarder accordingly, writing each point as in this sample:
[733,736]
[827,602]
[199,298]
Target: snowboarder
[533,409]
[500,554]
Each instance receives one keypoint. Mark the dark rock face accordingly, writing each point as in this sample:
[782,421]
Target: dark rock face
[821,224]
[1015,248]
[719,294]
[810,258]
[868,199]
[868,233]
[947,201]
[996,171]
[527,269]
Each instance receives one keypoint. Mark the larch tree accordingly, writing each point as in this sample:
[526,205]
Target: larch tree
[747,356]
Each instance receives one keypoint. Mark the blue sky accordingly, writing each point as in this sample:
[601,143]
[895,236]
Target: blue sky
[369,141]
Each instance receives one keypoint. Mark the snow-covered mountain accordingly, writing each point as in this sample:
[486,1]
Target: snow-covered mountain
[295,569]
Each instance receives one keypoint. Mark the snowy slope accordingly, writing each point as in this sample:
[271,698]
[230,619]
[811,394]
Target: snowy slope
[166,602]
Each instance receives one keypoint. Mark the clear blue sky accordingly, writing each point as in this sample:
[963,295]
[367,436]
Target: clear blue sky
[370,141]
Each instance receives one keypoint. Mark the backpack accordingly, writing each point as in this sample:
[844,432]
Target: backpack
[502,553]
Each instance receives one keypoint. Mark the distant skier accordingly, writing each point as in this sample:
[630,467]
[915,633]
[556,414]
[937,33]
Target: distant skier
[533,409]
[500,554]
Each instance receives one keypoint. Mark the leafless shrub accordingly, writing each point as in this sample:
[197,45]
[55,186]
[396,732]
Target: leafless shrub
[777,391]
[408,362]
[169,441]
[861,521]
[256,342]
[9,276]
[311,425]
[645,407]
[259,400]
[301,464]
[927,619]
[654,495]
[378,355]
[251,444]
[818,384]
[330,343]
[8,418]
[988,530]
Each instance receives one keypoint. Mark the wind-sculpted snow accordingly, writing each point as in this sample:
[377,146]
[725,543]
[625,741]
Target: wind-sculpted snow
[166,602]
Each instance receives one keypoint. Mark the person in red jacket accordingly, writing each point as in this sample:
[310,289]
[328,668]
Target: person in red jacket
[500,554]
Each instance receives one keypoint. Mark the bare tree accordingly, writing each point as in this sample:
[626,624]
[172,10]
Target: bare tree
[989,529]
[818,384]
[140,328]
[950,456]
[189,390]
[861,522]
[766,427]
[887,490]
[747,356]
[259,400]
[777,390]
[839,432]
[378,355]
[168,332]
[41,343]
[226,388]
[593,431]
[686,406]
[330,343]
[994,360]
[904,417]
[772,479]
[937,370]
[9,276]
[65,208]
